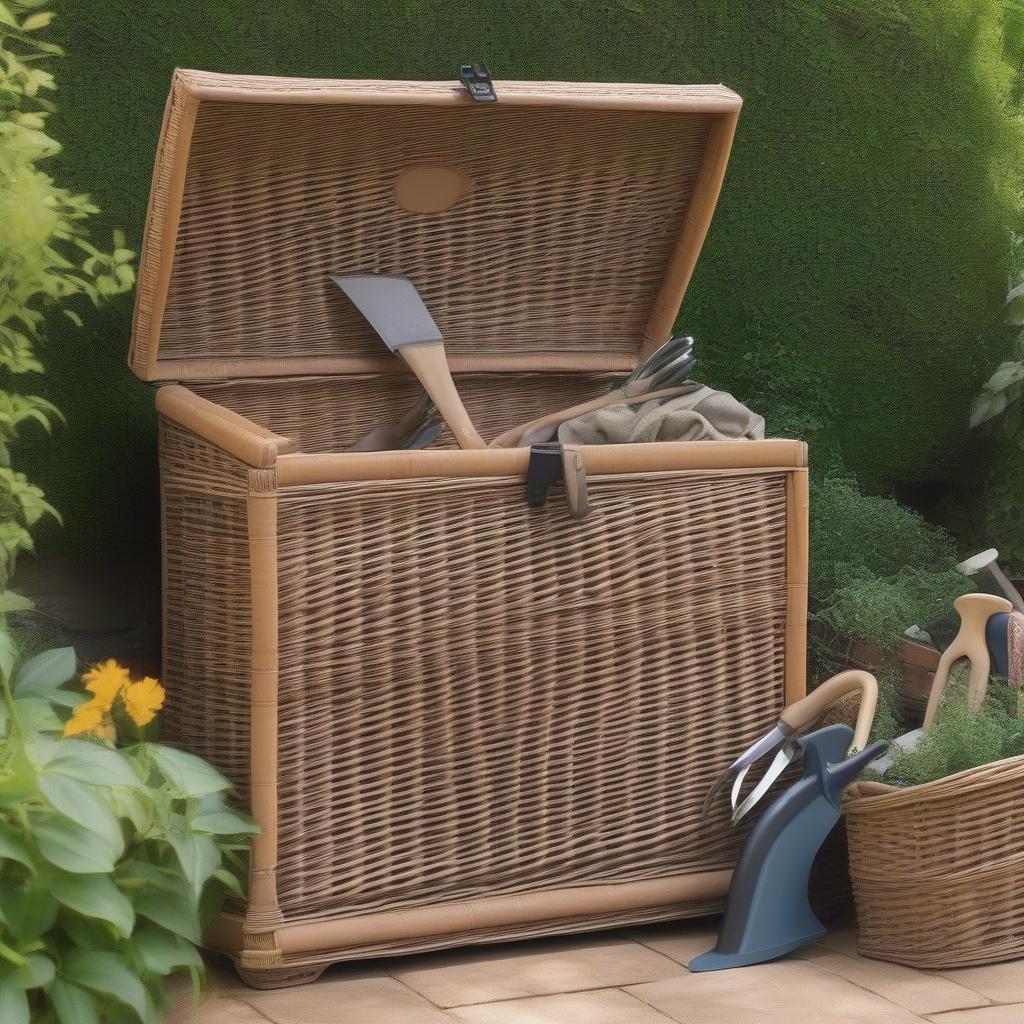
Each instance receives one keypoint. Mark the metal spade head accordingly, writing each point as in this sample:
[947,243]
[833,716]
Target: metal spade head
[393,307]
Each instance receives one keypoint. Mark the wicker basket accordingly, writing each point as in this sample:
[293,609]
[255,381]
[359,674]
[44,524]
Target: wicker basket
[938,869]
[456,719]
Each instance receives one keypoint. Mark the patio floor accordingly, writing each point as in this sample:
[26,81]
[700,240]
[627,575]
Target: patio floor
[634,976]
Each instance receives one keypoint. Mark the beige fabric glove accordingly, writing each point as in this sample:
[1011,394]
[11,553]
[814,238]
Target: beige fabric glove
[698,414]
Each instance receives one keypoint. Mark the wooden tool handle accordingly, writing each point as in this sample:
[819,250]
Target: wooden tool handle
[430,365]
[975,610]
[519,436]
[809,709]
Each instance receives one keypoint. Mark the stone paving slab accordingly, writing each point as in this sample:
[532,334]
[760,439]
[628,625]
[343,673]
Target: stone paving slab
[633,977]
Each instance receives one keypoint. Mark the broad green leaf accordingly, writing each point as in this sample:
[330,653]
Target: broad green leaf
[37,972]
[83,805]
[17,781]
[87,932]
[230,881]
[137,874]
[133,804]
[14,847]
[224,823]
[6,18]
[106,973]
[162,953]
[36,715]
[73,1005]
[187,774]
[28,911]
[72,848]
[95,896]
[45,672]
[198,856]
[67,698]
[174,915]
[13,1003]
[81,759]
[1015,305]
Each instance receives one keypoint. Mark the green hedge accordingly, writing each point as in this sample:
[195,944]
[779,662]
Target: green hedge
[852,282]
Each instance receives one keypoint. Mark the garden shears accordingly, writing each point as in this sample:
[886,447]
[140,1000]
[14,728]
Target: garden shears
[782,739]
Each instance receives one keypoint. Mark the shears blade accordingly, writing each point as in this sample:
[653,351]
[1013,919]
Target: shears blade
[783,758]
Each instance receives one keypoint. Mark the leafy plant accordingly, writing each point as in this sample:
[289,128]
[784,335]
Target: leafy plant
[111,860]
[879,609]
[990,510]
[46,261]
[961,738]
[1004,387]
[854,535]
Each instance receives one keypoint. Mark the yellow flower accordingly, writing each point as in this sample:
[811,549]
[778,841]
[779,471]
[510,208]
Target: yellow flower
[85,718]
[106,681]
[142,700]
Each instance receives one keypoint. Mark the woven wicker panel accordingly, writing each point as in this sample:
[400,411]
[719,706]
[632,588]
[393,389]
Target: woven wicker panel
[207,624]
[566,228]
[328,414]
[477,698]
[938,869]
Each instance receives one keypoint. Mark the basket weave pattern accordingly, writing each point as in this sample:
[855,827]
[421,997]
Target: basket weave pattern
[938,869]
[257,239]
[455,718]
[328,414]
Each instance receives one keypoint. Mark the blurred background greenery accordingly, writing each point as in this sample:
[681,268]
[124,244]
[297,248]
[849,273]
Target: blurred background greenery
[852,287]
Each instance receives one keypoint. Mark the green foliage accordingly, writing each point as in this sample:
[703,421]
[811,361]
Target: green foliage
[880,609]
[988,507]
[877,567]
[888,722]
[855,535]
[1005,386]
[46,261]
[111,861]
[859,251]
[961,738]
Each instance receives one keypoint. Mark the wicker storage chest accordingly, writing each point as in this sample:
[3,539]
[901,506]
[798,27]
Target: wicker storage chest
[456,718]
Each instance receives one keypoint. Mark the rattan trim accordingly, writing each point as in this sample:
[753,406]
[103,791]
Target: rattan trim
[212,86]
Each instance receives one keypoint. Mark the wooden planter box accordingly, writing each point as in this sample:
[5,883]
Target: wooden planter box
[456,719]
[918,663]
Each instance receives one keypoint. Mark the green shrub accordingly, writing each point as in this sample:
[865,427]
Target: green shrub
[856,535]
[860,248]
[961,738]
[45,261]
[880,609]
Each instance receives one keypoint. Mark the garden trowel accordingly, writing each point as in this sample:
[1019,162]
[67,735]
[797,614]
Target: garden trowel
[396,312]
[781,741]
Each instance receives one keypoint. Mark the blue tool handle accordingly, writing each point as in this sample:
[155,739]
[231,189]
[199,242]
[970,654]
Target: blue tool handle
[997,638]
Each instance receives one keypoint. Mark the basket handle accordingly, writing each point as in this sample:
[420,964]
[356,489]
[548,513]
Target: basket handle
[975,610]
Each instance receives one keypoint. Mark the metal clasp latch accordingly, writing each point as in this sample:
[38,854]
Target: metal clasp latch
[543,470]
[477,80]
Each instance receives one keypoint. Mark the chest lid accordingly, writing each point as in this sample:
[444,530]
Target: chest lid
[554,229]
